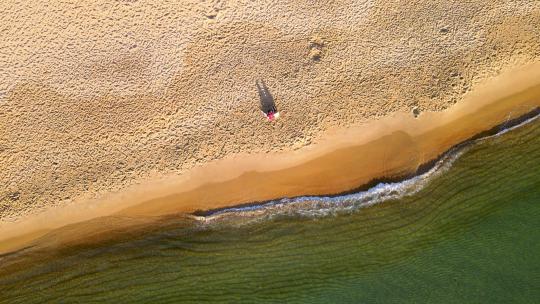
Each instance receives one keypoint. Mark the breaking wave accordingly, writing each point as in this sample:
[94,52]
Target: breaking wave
[321,206]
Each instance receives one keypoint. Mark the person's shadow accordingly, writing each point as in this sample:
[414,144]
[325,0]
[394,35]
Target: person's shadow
[268,104]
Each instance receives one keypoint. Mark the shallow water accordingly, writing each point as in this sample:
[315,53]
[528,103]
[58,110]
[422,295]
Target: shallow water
[468,235]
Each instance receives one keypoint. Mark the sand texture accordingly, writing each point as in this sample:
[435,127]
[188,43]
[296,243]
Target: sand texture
[96,96]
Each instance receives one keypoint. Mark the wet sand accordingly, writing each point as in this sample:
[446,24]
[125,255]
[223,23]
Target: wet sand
[391,147]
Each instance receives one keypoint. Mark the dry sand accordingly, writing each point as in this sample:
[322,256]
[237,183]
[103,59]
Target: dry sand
[98,97]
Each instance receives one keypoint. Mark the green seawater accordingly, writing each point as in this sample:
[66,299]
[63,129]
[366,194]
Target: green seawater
[471,235]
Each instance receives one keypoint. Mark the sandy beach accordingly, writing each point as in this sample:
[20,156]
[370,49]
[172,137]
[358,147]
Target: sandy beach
[390,148]
[135,109]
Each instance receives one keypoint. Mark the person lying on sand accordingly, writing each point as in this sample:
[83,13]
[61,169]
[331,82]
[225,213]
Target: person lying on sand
[268,106]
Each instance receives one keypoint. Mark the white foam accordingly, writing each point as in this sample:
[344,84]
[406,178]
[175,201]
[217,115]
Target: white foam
[505,130]
[319,206]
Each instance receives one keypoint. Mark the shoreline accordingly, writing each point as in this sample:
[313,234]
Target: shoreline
[393,147]
[524,119]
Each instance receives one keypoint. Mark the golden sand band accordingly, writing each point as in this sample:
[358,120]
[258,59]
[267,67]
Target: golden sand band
[346,159]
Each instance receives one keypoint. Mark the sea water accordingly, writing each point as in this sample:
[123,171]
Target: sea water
[466,231]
